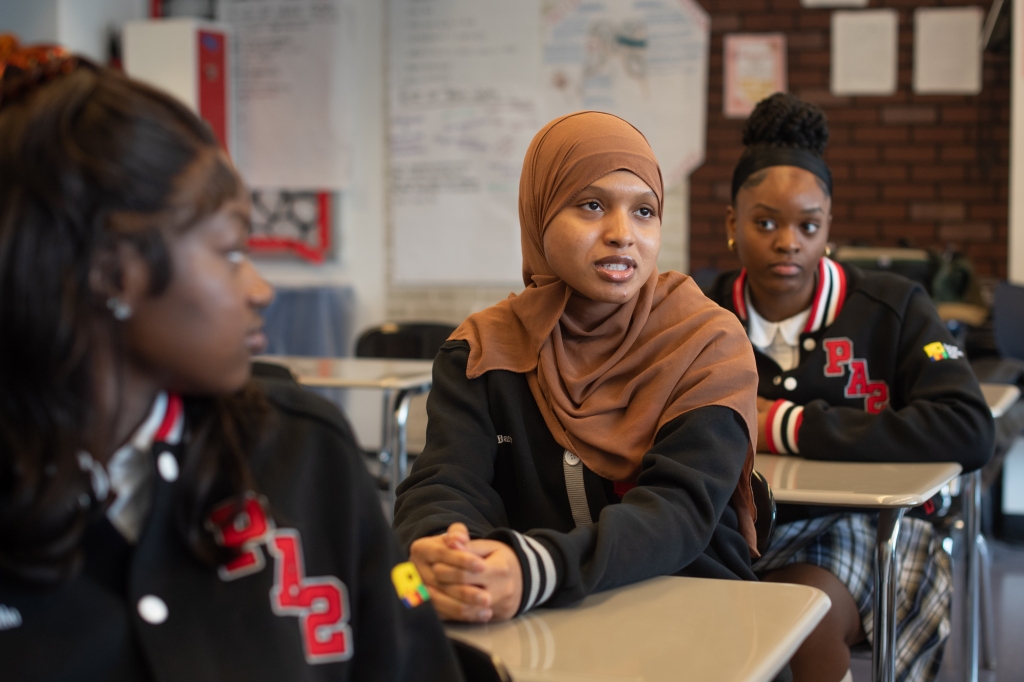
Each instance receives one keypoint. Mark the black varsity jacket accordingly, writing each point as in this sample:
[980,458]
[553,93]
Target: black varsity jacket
[491,463]
[879,380]
[311,597]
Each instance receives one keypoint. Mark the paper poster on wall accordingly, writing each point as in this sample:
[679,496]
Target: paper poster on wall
[947,53]
[290,85]
[755,67]
[642,60]
[464,107]
[864,52]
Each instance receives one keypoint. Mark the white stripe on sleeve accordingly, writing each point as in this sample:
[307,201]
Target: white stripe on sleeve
[776,426]
[794,418]
[531,559]
[549,569]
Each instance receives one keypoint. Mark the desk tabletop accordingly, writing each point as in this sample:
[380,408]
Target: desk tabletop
[854,484]
[1000,397]
[665,628]
[355,372]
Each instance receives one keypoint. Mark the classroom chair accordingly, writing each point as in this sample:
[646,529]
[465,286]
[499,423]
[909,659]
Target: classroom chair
[914,264]
[478,665]
[1008,320]
[400,341]
[407,340]
[764,503]
[271,370]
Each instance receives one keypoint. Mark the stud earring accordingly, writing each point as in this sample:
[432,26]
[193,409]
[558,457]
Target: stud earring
[828,251]
[731,244]
[121,310]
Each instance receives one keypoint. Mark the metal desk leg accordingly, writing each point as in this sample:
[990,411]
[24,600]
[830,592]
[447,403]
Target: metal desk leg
[394,456]
[883,655]
[387,450]
[399,439]
[988,618]
[972,528]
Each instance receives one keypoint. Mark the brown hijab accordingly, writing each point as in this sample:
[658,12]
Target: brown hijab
[606,386]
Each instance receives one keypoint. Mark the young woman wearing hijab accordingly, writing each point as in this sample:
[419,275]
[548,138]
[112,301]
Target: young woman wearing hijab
[853,366]
[597,428]
[162,517]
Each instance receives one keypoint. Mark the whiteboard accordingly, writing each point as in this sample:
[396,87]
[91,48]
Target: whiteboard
[291,83]
[464,107]
[472,81]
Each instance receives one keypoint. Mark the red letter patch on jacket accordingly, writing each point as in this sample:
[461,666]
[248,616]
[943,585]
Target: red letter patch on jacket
[321,604]
[838,352]
[838,356]
[875,393]
[242,526]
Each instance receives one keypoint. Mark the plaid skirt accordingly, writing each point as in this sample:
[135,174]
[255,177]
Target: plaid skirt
[844,545]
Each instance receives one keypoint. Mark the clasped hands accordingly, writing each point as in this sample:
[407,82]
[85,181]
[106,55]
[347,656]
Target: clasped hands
[475,581]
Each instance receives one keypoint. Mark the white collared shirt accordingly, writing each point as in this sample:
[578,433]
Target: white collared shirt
[778,340]
[131,470]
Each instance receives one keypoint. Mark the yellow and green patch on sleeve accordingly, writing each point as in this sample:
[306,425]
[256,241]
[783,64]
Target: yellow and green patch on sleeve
[938,350]
[409,585]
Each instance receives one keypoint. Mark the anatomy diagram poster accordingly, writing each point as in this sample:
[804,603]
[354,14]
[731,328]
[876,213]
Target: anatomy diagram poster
[643,60]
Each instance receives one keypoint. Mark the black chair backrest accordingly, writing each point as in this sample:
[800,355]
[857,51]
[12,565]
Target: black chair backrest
[478,665]
[271,370]
[1008,320]
[914,264]
[409,341]
[764,502]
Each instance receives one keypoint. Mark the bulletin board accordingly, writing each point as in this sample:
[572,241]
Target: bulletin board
[298,223]
[471,82]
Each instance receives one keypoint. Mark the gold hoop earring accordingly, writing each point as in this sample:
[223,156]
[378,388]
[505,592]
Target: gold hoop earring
[828,251]
[732,244]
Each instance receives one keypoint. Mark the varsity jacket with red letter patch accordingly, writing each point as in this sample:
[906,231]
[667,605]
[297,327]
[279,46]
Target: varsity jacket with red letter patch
[320,590]
[492,463]
[879,380]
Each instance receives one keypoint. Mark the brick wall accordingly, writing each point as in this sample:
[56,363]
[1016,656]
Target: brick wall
[930,170]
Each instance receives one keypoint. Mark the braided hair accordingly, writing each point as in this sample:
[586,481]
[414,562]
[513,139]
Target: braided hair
[783,122]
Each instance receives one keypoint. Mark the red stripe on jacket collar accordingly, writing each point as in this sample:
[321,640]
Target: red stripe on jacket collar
[173,422]
[829,295]
[739,299]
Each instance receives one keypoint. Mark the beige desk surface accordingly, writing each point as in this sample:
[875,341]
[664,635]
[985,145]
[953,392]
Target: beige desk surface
[1000,397]
[662,629]
[355,372]
[854,484]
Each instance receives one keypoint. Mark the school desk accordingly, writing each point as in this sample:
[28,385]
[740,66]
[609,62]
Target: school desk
[883,486]
[399,380]
[890,488]
[666,628]
[1000,398]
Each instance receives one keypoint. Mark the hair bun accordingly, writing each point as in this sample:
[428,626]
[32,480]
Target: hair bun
[784,120]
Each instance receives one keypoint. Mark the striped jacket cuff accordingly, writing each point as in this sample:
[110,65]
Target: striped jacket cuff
[540,575]
[783,427]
